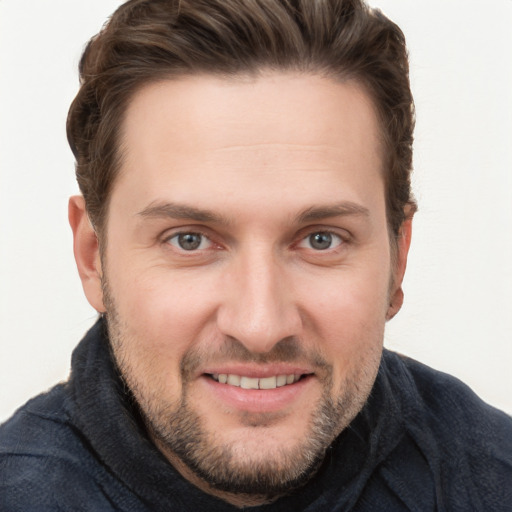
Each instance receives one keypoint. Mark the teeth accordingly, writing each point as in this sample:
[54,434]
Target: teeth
[234,380]
[244,382]
[248,383]
[281,381]
[268,383]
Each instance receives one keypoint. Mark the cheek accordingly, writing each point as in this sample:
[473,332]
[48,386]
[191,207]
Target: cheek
[348,298]
[162,315]
[347,319]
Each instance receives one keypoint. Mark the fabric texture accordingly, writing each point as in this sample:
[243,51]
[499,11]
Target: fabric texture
[423,442]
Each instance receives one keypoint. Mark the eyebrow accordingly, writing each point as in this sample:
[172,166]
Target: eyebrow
[181,211]
[311,214]
[345,208]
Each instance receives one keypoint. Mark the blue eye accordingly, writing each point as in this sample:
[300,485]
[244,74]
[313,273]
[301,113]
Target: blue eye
[189,241]
[321,241]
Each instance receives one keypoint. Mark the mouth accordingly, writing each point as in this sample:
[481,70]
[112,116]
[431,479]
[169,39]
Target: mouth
[258,389]
[265,383]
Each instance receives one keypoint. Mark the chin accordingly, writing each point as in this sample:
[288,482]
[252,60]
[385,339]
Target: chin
[263,456]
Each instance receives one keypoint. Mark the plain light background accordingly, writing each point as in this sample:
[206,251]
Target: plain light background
[458,307]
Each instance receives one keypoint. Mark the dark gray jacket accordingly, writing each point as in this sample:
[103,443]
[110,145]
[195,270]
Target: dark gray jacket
[423,442]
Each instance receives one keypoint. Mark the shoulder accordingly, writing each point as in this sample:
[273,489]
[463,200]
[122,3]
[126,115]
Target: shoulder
[445,401]
[467,443]
[44,463]
[41,428]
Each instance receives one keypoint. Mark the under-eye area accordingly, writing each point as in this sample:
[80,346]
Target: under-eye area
[244,382]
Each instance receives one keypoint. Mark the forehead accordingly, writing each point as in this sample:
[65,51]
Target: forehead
[283,131]
[271,107]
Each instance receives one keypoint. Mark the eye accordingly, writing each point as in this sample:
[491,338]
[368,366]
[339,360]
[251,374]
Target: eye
[190,241]
[321,241]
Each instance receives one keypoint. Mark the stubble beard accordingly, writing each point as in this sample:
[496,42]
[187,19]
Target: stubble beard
[178,430]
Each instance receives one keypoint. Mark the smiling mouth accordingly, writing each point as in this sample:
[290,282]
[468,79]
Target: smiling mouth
[244,382]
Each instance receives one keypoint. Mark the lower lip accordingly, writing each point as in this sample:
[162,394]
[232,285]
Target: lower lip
[258,400]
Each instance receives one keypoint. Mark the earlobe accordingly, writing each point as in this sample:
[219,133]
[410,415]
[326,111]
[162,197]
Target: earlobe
[87,253]
[396,298]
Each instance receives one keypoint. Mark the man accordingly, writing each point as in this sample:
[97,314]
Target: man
[243,233]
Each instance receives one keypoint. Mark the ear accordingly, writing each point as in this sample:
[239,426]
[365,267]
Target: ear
[87,253]
[396,296]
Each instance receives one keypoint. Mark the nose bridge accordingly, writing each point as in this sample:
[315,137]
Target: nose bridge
[259,309]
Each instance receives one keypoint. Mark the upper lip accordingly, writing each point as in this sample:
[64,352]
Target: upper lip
[258,370]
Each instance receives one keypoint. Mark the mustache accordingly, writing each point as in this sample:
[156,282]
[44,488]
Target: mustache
[287,350]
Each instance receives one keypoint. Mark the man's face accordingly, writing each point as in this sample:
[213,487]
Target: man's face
[247,247]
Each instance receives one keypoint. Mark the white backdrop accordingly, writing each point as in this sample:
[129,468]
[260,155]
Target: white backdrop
[458,310]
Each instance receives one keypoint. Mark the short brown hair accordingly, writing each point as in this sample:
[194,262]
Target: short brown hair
[148,40]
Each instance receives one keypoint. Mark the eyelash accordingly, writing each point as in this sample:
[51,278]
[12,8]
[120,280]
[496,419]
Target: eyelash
[189,233]
[342,240]
[331,234]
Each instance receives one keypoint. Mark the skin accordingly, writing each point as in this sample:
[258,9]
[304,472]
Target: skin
[269,162]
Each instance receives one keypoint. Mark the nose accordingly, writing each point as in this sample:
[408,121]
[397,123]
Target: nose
[259,308]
